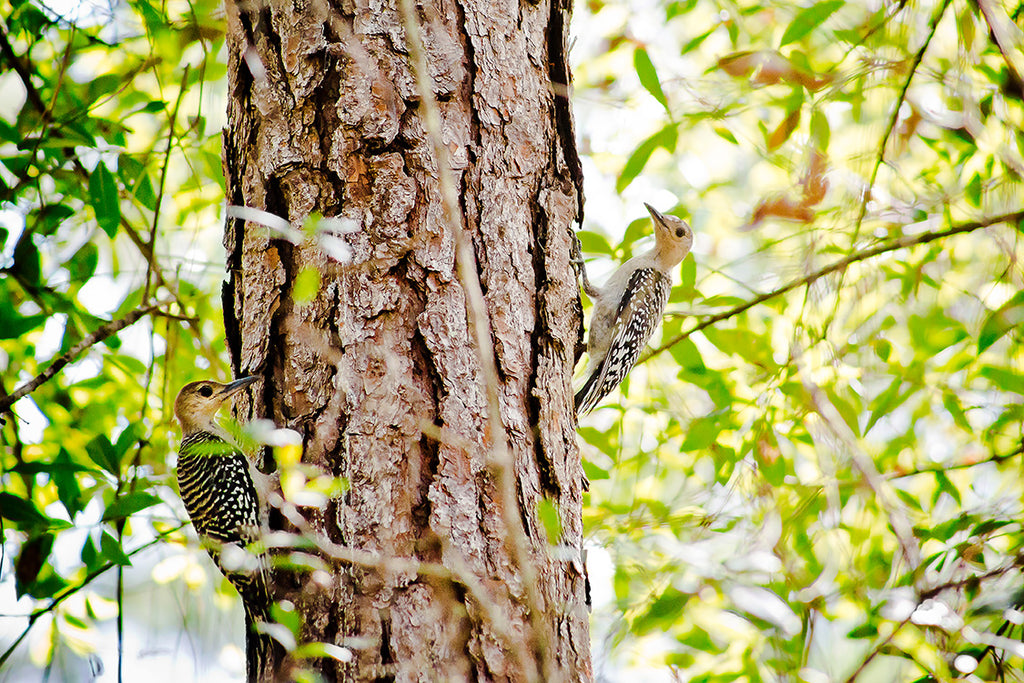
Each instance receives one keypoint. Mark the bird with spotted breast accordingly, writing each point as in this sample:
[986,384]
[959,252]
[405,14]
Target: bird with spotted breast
[217,488]
[629,307]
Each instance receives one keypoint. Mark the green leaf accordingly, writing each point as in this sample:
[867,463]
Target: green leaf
[648,75]
[104,199]
[306,285]
[809,19]
[863,631]
[83,264]
[1004,379]
[820,132]
[13,326]
[725,134]
[886,402]
[129,504]
[128,438]
[50,217]
[547,514]
[110,550]
[26,260]
[665,138]
[593,472]
[945,485]
[63,477]
[21,511]
[594,243]
[702,432]
[663,612]
[1007,317]
[102,452]
[973,191]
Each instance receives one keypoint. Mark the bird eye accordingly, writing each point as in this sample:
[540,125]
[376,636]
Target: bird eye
[680,232]
[206,391]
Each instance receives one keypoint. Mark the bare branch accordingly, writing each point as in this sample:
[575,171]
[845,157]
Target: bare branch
[997,458]
[1007,38]
[104,331]
[68,592]
[840,265]
[894,117]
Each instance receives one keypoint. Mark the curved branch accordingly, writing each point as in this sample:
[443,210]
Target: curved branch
[89,578]
[56,366]
[838,266]
[894,117]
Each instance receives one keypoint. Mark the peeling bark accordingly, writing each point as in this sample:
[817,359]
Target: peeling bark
[378,370]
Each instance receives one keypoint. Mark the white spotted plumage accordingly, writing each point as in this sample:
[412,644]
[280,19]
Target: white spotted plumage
[628,308]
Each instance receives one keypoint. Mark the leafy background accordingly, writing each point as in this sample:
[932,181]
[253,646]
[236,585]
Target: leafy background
[815,476]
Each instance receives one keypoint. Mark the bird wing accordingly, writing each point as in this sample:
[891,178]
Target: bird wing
[639,312]
[217,489]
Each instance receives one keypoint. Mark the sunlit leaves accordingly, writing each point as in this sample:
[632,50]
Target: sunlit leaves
[910,359]
[809,19]
[664,139]
[104,199]
[129,504]
[649,76]
[1008,317]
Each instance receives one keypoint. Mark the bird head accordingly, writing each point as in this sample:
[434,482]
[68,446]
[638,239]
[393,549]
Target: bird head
[673,235]
[198,402]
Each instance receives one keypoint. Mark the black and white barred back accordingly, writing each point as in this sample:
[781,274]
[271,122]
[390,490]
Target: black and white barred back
[217,489]
[640,310]
[221,500]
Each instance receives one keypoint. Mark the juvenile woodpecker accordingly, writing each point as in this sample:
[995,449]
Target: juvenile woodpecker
[221,500]
[629,307]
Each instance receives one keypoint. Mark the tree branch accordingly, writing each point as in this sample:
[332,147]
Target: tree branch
[997,458]
[1007,38]
[89,578]
[894,117]
[840,265]
[99,335]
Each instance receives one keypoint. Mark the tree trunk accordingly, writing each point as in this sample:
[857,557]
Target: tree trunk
[376,364]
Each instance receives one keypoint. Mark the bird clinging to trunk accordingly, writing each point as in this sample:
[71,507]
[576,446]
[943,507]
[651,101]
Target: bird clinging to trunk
[629,306]
[220,497]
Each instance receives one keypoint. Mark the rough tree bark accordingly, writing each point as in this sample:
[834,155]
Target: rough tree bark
[379,371]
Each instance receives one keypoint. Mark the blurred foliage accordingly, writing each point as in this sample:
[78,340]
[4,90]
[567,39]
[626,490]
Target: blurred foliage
[817,474]
[822,483]
[110,199]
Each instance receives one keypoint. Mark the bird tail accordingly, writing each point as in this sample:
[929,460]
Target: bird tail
[261,652]
[259,647]
[590,393]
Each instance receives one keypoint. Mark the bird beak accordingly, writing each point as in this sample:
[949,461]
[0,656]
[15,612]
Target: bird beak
[658,216]
[237,386]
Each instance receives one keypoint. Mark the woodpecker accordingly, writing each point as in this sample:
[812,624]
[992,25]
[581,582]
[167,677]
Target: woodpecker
[219,495]
[629,307]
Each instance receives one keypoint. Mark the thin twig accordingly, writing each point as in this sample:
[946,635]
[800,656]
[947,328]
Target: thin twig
[835,423]
[1016,563]
[460,574]
[99,335]
[956,466]
[875,651]
[499,457]
[163,182]
[34,616]
[841,264]
[894,116]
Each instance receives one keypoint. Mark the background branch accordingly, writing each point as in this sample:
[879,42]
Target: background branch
[56,366]
[840,265]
